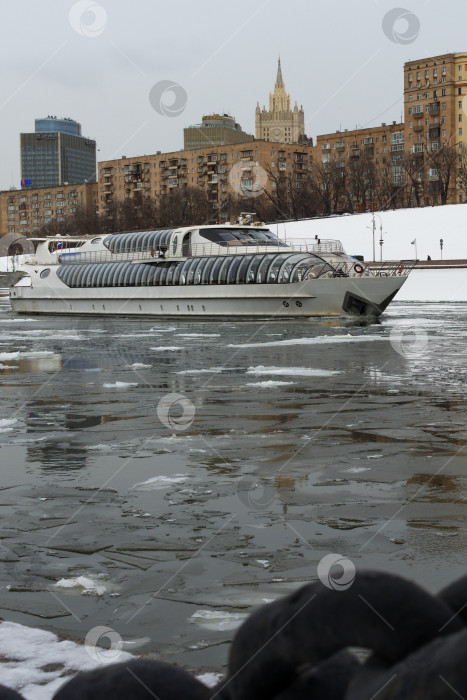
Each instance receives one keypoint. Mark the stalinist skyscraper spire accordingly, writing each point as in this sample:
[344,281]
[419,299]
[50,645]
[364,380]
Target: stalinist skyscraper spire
[280,123]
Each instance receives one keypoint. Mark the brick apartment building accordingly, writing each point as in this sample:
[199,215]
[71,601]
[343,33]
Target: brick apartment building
[25,211]
[219,171]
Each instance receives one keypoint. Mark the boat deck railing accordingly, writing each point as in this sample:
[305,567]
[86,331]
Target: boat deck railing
[196,250]
[347,266]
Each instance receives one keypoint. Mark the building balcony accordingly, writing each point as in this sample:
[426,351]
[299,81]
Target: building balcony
[355,154]
[418,127]
[433,108]
[434,133]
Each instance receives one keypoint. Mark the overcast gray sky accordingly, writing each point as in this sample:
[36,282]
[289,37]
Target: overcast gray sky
[98,65]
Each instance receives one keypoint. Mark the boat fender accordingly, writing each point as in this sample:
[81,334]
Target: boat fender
[358,268]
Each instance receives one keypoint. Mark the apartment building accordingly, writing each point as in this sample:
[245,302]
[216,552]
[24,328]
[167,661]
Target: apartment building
[435,92]
[220,171]
[25,211]
[374,143]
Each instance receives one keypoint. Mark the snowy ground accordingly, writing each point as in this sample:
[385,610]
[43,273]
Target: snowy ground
[400,227]
[36,663]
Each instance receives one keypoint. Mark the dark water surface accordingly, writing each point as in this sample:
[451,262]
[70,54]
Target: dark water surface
[298,439]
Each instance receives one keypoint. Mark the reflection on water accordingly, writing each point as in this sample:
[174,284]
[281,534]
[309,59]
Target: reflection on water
[295,450]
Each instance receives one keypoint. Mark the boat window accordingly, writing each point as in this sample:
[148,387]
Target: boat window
[199,270]
[288,265]
[92,276]
[73,274]
[164,270]
[178,268]
[170,272]
[191,272]
[145,275]
[174,245]
[241,236]
[214,276]
[250,276]
[207,269]
[106,269]
[156,273]
[139,274]
[102,268]
[273,272]
[241,272]
[113,274]
[184,270]
[45,273]
[261,275]
[86,273]
[95,241]
[117,280]
[78,275]
[222,275]
[234,265]
[130,280]
[165,238]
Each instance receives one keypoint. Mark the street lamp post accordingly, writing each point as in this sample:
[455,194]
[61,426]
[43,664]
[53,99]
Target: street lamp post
[373,229]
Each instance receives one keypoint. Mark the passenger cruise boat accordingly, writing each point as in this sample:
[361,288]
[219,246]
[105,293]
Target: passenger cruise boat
[226,270]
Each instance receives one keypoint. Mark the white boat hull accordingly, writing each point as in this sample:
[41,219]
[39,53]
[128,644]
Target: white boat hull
[320,297]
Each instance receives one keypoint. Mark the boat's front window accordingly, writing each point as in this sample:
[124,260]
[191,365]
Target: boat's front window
[241,236]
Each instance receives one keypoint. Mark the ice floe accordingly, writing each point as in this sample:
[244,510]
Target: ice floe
[156,483]
[298,371]
[119,385]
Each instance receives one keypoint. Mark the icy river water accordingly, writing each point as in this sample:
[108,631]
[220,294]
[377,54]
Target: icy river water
[164,478]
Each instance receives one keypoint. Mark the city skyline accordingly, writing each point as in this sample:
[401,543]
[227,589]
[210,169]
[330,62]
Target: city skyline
[107,66]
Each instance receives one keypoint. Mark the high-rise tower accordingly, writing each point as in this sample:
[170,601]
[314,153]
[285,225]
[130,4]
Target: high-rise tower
[280,123]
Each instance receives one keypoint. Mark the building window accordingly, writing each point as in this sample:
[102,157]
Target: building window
[444,132]
[460,131]
[460,117]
